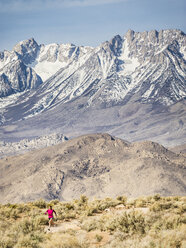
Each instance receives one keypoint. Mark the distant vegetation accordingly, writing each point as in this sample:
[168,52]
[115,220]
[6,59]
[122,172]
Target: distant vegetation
[149,222]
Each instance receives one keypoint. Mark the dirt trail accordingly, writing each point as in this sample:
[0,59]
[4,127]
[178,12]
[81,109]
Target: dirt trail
[64,226]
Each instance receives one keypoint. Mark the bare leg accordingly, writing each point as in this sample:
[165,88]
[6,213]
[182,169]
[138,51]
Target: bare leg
[50,222]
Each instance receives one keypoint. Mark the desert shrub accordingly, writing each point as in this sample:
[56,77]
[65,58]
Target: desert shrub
[90,224]
[121,236]
[157,197]
[65,214]
[90,210]
[101,205]
[171,222]
[181,207]
[14,214]
[68,206]
[35,212]
[8,213]
[29,240]
[27,226]
[64,241]
[86,208]
[69,215]
[169,239]
[4,225]
[130,203]
[23,208]
[24,233]
[9,205]
[122,199]
[83,199]
[141,202]
[54,202]
[162,221]
[81,204]
[92,207]
[176,198]
[160,206]
[40,203]
[41,220]
[155,207]
[5,212]
[6,242]
[98,238]
[132,222]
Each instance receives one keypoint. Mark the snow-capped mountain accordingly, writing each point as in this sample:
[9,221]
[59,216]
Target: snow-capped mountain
[33,64]
[146,68]
[150,64]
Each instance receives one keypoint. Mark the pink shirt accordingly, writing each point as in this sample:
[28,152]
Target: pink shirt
[50,213]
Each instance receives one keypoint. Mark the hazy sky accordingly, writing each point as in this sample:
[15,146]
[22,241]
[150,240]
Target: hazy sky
[84,22]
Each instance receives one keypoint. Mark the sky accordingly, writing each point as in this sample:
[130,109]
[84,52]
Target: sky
[84,22]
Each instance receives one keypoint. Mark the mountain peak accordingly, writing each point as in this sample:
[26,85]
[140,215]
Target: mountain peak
[27,50]
[29,43]
[130,35]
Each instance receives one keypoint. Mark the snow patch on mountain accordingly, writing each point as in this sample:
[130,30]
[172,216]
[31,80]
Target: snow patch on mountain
[53,57]
[183,51]
[43,66]
[46,69]
[129,63]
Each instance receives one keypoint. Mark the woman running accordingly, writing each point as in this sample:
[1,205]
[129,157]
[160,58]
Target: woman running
[50,212]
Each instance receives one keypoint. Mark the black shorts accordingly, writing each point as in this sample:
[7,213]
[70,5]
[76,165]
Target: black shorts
[51,218]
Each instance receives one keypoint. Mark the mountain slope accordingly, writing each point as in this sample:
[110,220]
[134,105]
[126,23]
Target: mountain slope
[120,87]
[96,165]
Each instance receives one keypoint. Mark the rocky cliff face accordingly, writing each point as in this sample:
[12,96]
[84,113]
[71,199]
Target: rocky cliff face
[15,75]
[17,78]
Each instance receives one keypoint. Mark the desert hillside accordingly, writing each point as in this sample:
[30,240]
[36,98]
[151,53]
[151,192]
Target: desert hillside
[96,165]
[152,221]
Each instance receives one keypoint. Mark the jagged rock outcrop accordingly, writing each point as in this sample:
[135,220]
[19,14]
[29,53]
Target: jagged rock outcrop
[16,77]
[27,50]
[5,86]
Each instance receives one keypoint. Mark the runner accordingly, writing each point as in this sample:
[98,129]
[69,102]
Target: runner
[50,212]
